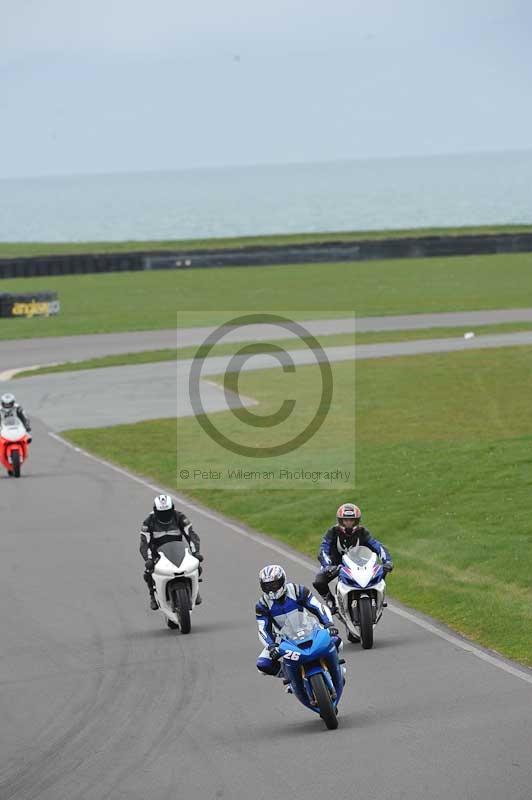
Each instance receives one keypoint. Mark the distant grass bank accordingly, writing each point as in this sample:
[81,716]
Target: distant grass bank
[139,301]
[444,474]
[169,354]
[25,249]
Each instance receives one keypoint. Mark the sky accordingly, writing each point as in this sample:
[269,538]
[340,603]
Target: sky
[124,85]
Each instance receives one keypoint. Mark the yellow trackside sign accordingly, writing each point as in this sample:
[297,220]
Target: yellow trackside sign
[35,308]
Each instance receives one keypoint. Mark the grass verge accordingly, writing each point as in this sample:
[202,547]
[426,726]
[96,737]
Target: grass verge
[150,300]
[444,474]
[26,249]
[169,354]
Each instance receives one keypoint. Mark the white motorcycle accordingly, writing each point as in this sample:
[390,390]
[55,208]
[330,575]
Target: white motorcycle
[176,578]
[360,594]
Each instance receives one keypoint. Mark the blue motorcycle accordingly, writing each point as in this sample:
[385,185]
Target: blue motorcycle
[311,666]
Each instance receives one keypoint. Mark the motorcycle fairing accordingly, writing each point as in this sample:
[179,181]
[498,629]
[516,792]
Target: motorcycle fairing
[313,653]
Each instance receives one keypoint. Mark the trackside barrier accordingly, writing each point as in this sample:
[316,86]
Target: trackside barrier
[259,255]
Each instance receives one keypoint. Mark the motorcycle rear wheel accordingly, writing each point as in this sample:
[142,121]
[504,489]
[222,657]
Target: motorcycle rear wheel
[182,601]
[15,463]
[324,700]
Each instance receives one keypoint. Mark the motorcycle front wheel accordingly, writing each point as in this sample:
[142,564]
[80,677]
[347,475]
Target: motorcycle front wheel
[366,622]
[15,463]
[324,701]
[182,608]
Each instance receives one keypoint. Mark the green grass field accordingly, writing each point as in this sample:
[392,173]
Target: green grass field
[151,356]
[23,249]
[443,474]
[149,300]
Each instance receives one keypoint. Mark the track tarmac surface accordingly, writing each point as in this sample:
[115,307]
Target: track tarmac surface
[23,353]
[119,395]
[99,701]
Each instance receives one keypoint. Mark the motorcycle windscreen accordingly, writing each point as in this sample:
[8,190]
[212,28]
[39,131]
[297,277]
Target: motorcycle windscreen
[299,626]
[174,551]
[360,555]
[12,428]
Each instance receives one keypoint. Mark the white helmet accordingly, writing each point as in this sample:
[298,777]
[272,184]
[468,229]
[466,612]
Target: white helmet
[8,401]
[163,507]
[273,581]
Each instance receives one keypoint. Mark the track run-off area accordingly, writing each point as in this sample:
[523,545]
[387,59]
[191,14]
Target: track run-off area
[100,701]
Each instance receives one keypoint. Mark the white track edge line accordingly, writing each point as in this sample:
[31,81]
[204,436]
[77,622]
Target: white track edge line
[468,647]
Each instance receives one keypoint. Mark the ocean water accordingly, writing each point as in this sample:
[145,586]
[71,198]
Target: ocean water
[373,194]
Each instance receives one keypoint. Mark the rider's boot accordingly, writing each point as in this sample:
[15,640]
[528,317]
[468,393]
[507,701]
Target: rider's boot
[154,605]
[287,686]
[199,601]
[341,659]
[331,603]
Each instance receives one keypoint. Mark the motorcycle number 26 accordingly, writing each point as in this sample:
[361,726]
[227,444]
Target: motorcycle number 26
[291,654]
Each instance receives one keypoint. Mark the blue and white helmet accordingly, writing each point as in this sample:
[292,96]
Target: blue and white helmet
[273,581]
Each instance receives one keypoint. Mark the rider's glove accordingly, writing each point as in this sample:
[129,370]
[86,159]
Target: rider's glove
[275,653]
[333,630]
[148,565]
[198,556]
[387,567]
[30,438]
[332,572]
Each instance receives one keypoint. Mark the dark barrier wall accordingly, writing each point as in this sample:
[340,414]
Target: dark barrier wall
[38,266]
[362,250]
[38,304]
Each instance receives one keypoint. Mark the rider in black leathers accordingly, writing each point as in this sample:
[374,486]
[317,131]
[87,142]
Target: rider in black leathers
[164,524]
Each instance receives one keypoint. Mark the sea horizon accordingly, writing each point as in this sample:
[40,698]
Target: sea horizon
[267,164]
[344,194]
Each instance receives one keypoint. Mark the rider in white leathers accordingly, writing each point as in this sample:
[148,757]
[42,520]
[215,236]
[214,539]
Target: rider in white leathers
[9,408]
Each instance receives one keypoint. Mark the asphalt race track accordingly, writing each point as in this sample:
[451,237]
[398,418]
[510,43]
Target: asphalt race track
[30,352]
[115,395]
[100,701]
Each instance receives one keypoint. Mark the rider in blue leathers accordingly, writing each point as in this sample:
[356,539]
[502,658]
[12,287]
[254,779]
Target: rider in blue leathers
[347,533]
[278,600]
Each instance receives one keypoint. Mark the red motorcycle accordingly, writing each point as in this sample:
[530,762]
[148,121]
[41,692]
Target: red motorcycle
[14,444]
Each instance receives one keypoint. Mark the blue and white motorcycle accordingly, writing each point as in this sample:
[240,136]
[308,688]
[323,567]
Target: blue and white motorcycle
[311,665]
[360,594]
